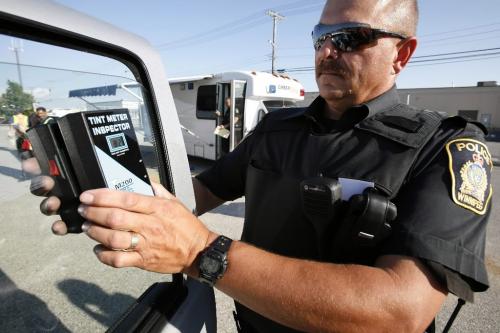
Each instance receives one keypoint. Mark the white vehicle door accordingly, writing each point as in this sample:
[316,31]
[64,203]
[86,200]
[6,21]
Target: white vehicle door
[50,283]
[237,116]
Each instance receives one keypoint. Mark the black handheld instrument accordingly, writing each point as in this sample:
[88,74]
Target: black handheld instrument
[88,150]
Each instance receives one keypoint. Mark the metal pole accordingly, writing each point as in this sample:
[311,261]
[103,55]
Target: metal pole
[16,48]
[275,17]
[16,51]
[274,46]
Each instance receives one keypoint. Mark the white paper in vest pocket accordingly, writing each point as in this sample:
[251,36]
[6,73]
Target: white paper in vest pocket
[352,187]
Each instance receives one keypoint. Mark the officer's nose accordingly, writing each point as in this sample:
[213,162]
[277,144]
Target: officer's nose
[327,50]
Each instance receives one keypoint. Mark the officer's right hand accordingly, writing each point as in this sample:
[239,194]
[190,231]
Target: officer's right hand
[41,186]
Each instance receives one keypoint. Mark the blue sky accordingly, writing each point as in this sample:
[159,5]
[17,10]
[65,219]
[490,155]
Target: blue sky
[199,37]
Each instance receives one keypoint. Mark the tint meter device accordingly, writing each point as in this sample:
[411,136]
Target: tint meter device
[88,150]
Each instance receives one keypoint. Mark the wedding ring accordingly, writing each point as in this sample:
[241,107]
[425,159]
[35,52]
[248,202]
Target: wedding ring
[134,240]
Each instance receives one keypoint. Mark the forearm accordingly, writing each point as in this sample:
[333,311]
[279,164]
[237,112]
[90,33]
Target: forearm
[314,296]
[205,200]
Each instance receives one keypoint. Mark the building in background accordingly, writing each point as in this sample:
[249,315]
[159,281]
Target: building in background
[479,103]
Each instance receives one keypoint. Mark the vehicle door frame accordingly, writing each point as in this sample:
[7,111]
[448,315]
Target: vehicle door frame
[232,135]
[50,23]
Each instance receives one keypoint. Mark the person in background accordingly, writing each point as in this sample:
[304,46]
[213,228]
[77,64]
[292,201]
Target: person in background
[43,116]
[33,119]
[224,121]
[19,127]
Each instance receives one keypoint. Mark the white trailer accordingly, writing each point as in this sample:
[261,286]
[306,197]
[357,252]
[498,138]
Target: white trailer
[253,94]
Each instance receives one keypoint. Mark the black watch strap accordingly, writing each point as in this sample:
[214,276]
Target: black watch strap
[216,251]
[221,244]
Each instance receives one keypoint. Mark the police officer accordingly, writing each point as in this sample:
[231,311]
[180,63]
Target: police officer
[287,274]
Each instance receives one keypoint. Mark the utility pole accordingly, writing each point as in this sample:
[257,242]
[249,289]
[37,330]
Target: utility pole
[276,17]
[17,47]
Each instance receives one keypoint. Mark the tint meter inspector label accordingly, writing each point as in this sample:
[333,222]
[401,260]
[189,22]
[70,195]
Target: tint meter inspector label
[117,151]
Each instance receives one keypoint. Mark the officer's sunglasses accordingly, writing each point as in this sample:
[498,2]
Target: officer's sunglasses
[348,37]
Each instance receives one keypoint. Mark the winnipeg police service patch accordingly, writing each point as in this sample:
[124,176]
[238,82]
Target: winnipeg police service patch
[470,167]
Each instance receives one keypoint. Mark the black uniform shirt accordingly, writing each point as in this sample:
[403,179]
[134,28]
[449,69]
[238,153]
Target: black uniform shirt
[434,222]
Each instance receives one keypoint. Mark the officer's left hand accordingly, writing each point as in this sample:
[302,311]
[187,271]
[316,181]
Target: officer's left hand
[170,237]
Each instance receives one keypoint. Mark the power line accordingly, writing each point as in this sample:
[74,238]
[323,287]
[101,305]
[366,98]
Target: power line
[204,38]
[238,25]
[233,24]
[460,29]
[423,41]
[301,11]
[298,8]
[454,43]
[426,61]
[416,57]
[453,53]
[459,36]
[423,44]
[459,57]
[306,70]
[454,61]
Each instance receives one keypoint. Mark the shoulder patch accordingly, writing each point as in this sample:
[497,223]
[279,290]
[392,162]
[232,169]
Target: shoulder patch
[470,169]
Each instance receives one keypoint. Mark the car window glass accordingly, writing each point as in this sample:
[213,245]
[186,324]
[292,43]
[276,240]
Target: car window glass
[50,283]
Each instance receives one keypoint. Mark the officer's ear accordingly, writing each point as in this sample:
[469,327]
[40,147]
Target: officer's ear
[406,47]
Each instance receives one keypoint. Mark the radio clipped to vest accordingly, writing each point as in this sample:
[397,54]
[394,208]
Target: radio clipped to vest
[346,230]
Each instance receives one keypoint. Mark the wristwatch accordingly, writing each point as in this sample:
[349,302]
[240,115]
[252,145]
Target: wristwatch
[213,261]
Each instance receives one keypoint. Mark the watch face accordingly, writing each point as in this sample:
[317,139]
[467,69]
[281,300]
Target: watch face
[211,265]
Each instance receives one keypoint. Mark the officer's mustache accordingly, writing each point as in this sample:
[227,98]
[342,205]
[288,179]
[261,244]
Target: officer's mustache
[332,66]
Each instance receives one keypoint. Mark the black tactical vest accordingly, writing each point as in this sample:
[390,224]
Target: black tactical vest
[381,149]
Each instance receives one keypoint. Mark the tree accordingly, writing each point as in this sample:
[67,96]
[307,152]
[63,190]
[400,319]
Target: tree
[15,99]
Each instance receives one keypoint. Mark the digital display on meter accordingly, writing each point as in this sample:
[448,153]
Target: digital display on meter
[117,143]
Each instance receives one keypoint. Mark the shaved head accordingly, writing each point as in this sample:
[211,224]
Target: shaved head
[399,16]
[352,77]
